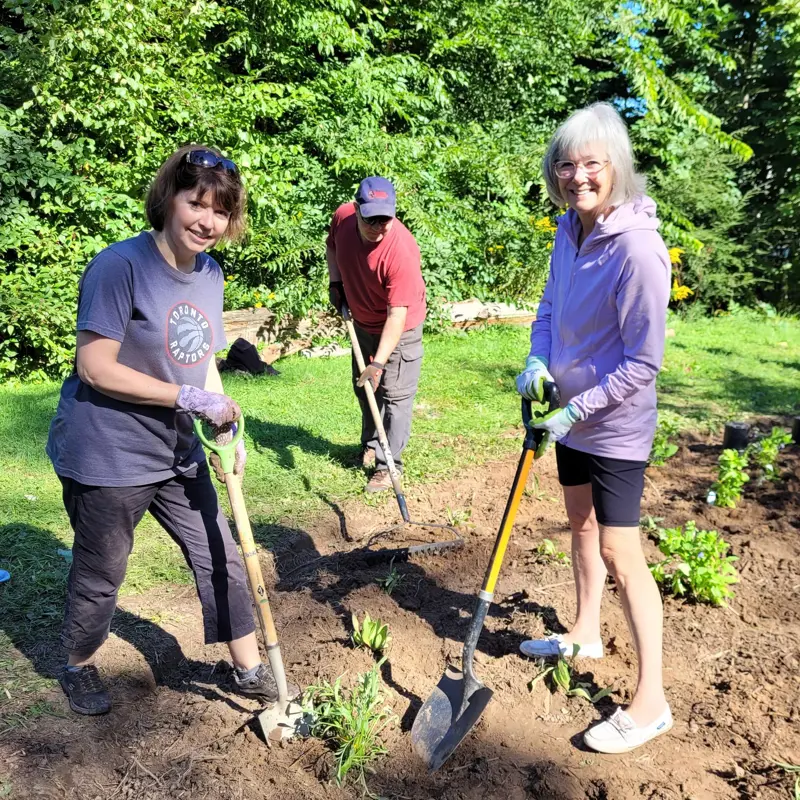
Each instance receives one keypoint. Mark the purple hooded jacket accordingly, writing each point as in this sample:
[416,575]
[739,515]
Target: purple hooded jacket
[600,325]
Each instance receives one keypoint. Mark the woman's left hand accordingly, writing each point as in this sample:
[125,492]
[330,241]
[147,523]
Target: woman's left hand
[556,424]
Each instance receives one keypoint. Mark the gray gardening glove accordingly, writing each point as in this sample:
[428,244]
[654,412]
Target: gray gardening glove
[215,409]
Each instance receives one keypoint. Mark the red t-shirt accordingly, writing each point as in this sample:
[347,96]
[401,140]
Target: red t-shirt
[378,275]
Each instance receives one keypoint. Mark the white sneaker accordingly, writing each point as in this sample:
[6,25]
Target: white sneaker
[619,733]
[554,646]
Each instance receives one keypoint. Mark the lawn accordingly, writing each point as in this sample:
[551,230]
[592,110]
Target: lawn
[302,429]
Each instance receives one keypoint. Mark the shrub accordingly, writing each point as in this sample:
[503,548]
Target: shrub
[696,564]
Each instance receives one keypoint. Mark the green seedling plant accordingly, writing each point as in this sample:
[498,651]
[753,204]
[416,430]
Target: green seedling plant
[371,634]
[391,580]
[663,448]
[791,769]
[764,452]
[730,478]
[697,564]
[546,551]
[562,676]
[650,524]
[352,721]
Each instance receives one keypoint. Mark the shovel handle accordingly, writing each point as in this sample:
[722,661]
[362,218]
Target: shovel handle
[376,415]
[255,577]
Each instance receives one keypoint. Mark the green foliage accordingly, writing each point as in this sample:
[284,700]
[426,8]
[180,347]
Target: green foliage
[391,580]
[791,769]
[731,477]
[546,551]
[663,448]
[371,634]
[765,451]
[696,564]
[561,675]
[453,101]
[352,721]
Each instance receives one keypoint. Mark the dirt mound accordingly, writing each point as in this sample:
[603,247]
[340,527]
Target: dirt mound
[732,675]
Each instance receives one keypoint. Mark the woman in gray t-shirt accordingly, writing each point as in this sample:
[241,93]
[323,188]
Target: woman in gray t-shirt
[149,324]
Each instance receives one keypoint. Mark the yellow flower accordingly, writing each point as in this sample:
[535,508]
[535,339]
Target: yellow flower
[257,296]
[259,305]
[675,254]
[545,224]
[271,296]
[679,292]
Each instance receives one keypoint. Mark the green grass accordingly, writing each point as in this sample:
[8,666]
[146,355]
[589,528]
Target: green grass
[303,427]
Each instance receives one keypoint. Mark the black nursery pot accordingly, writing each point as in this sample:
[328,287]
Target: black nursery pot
[736,434]
[796,430]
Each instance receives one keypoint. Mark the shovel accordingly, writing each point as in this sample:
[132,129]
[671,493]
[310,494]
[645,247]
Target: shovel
[457,702]
[453,543]
[285,718]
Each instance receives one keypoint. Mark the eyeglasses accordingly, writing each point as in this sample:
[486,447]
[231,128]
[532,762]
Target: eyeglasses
[567,169]
[205,158]
[375,222]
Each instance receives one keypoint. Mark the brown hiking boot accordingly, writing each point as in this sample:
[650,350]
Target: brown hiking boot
[379,482]
[365,458]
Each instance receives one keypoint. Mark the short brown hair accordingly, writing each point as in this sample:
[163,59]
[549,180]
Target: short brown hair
[177,175]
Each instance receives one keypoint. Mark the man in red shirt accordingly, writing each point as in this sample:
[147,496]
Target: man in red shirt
[374,266]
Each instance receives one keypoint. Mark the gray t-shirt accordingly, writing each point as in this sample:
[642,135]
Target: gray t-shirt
[170,326]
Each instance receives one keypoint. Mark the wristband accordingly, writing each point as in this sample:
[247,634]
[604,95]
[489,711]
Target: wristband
[378,364]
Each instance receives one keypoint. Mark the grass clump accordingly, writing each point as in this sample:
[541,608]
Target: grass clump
[351,721]
[696,564]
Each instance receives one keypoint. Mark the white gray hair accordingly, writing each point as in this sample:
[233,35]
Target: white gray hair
[597,124]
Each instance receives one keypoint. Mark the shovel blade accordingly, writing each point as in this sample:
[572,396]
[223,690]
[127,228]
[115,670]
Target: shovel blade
[439,728]
[285,720]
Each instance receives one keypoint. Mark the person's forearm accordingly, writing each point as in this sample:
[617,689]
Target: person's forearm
[629,377]
[391,333]
[333,267]
[123,383]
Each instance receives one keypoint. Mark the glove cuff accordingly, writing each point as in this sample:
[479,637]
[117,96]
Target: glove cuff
[573,413]
[536,361]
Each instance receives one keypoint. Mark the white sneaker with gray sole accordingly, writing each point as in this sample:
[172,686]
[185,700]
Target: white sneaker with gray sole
[620,734]
[555,646]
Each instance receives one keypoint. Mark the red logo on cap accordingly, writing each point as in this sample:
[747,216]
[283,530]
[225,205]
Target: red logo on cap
[377,194]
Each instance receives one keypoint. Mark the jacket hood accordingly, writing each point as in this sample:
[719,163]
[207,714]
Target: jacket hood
[638,215]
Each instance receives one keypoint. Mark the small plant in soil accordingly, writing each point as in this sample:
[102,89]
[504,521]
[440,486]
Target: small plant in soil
[391,580]
[731,478]
[650,524]
[791,769]
[371,633]
[458,516]
[764,452]
[352,721]
[696,564]
[546,551]
[663,448]
[562,678]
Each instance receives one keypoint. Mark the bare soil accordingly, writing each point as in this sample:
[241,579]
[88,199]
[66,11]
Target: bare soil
[732,674]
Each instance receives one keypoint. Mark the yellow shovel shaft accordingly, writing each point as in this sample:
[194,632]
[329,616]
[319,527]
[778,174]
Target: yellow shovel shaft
[500,545]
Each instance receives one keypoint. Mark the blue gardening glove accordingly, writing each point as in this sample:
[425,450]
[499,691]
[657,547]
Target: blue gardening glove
[556,425]
[530,384]
[222,435]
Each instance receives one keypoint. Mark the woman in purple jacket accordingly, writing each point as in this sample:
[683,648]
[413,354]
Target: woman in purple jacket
[599,335]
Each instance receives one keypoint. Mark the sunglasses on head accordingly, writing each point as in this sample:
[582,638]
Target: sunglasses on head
[205,158]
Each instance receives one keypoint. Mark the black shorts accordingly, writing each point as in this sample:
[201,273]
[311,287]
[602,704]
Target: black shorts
[617,485]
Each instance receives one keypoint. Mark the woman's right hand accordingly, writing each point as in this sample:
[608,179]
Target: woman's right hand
[530,384]
[215,409]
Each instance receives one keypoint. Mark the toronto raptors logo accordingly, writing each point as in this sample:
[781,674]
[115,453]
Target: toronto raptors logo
[189,335]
